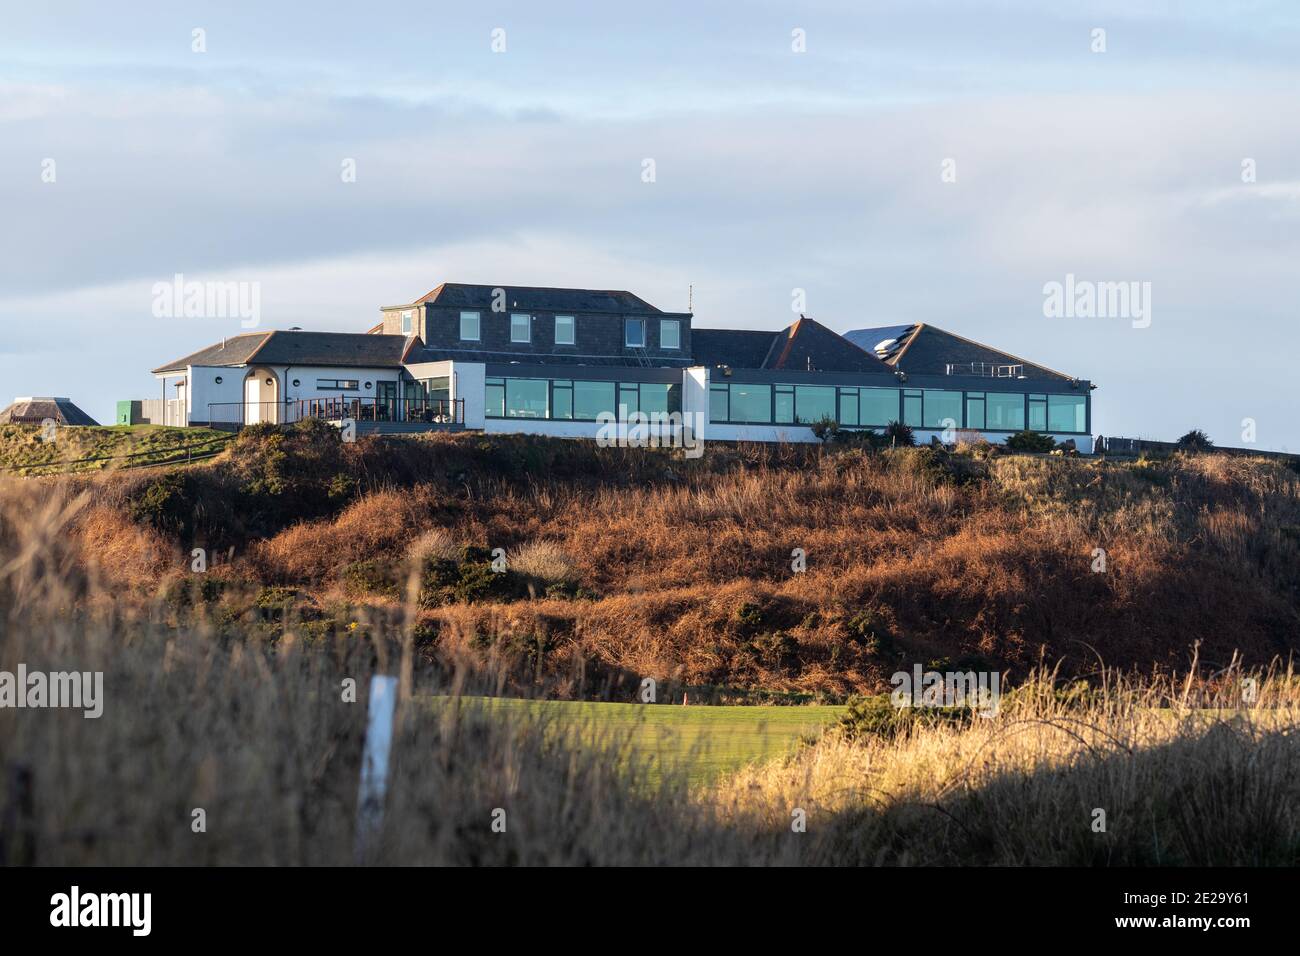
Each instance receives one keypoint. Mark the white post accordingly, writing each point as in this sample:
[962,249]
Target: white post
[374,762]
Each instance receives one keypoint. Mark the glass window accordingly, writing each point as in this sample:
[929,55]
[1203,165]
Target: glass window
[521,327]
[1067,413]
[848,406]
[628,400]
[911,406]
[1038,413]
[784,404]
[469,326]
[406,323]
[496,398]
[718,404]
[634,333]
[670,334]
[942,409]
[527,397]
[879,406]
[974,409]
[814,402]
[592,398]
[657,398]
[751,403]
[564,330]
[561,399]
[1004,412]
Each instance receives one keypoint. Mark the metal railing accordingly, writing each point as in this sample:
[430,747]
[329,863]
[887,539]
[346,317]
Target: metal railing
[340,408]
[985,369]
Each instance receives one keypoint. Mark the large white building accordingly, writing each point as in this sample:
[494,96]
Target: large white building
[562,361]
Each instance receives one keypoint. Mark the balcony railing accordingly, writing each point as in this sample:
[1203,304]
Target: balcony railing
[986,370]
[340,408]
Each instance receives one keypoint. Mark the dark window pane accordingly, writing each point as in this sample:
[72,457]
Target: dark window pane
[751,403]
[592,398]
[527,397]
[879,406]
[814,402]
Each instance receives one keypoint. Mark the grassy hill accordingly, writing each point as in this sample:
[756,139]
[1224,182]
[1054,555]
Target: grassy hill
[625,564]
[24,450]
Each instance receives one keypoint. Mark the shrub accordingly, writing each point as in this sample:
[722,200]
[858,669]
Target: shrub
[435,544]
[876,716]
[867,629]
[370,577]
[164,505]
[898,435]
[825,428]
[1031,441]
[1195,441]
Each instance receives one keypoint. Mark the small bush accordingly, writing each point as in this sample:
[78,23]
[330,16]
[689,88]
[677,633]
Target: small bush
[898,435]
[1195,441]
[867,629]
[876,716]
[1031,441]
[825,428]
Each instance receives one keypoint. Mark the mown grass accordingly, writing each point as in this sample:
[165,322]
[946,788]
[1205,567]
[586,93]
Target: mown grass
[25,451]
[702,742]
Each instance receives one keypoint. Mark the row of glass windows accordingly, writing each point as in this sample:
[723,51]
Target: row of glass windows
[521,330]
[747,403]
[573,400]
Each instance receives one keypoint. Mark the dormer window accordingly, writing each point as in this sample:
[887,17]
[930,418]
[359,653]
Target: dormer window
[634,333]
[564,330]
[406,323]
[670,334]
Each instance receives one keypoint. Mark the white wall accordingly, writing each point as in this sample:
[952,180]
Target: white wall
[695,398]
[204,390]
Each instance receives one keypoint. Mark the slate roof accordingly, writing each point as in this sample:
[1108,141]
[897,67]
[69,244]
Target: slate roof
[527,358]
[928,350]
[34,410]
[281,347]
[738,348]
[459,295]
[802,346]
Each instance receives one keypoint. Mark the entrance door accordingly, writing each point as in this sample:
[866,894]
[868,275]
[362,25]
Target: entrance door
[252,401]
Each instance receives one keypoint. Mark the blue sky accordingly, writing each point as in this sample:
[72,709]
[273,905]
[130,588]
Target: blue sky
[775,171]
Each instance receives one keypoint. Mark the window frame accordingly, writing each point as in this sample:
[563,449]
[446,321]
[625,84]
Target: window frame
[628,325]
[478,326]
[676,325]
[528,328]
[573,330]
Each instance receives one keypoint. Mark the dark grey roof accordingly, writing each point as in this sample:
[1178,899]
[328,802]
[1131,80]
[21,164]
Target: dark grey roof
[35,410]
[808,346]
[501,358]
[737,348]
[344,349]
[802,346]
[929,350]
[458,295]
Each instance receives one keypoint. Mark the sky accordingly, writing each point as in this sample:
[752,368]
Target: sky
[897,162]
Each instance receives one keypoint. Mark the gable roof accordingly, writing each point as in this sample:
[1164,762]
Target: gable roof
[279,347]
[34,410]
[807,345]
[802,346]
[928,350]
[459,295]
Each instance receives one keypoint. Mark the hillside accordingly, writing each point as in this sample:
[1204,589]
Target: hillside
[625,564]
[24,449]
